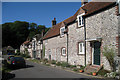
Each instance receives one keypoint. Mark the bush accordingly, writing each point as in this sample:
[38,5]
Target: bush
[82,67]
[75,69]
[109,54]
[102,72]
[45,60]
[25,55]
[111,75]
[65,64]
[58,63]
[72,66]
[53,62]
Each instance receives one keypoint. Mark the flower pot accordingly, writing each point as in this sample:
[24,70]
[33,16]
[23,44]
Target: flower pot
[94,74]
[81,71]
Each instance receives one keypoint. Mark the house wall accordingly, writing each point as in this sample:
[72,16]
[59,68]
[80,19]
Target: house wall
[75,35]
[53,46]
[104,25]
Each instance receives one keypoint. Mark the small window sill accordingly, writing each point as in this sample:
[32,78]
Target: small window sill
[80,53]
[63,55]
[80,26]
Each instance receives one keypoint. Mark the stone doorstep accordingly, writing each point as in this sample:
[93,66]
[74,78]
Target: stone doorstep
[92,68]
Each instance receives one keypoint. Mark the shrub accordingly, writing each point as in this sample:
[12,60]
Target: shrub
[102,72]
[53,62]
[75,69]
[58,63]
[25,55]
[45,60]
[82,67]
[111,75]
[47,64]
[65,64]
[72,66]
[109,54]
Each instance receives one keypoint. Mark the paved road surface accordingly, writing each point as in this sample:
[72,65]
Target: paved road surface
[35,70]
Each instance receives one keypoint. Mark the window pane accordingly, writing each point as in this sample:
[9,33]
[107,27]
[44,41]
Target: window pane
[80,47]
[82,21]
[79,20]
[63,51]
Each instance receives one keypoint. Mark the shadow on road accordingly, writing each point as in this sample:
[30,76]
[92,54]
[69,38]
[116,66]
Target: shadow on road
[7,76]
[16,68]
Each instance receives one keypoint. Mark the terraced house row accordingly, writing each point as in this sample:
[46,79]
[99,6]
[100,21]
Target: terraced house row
[80,39]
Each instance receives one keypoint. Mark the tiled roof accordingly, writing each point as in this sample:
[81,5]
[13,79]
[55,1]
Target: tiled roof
[89,8]
[26,42]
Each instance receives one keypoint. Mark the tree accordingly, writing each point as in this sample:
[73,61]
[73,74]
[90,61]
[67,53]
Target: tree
[14,34]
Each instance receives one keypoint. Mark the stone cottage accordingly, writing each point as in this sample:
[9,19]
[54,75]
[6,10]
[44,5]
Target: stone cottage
[36,46]
[26,46]
[80,39]
[33,46]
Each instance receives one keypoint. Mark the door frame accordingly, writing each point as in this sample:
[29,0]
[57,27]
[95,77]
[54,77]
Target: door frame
[93,54]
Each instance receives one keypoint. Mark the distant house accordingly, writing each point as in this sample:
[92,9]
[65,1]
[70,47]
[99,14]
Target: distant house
[26,46]
[80,39]
[36,46]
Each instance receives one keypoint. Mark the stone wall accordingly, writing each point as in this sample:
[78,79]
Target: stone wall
[75,35]
[104,25]
[53,46]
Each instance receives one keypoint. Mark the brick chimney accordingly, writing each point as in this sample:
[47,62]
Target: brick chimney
[54,22]
[83,2]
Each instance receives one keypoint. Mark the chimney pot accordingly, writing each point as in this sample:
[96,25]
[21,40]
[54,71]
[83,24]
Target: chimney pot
[54,22]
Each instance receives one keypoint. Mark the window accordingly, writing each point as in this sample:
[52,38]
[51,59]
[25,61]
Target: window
[63,51]
[81,48]
[62,30]
[80,20]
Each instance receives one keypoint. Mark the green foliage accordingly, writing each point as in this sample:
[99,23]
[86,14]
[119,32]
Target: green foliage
[102,72]
[72,66]
[43,51]
[45,60]
[58,63]
[65,64]
[14,34]
[47,64]
[75,69]
[25,55]
[53,62]
[109,54]
[82,67]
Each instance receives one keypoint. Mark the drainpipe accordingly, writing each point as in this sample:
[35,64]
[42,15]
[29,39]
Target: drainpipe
[85,39]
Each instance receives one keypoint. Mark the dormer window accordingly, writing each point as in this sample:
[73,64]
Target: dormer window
[62,30]
[80,20]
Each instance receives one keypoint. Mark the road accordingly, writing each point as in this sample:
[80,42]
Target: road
[35,70]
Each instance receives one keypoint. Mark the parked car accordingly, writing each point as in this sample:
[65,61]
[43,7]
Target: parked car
[9,57]
[17,62]
[11,54]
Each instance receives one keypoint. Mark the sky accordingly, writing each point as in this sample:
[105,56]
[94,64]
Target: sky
[41,13]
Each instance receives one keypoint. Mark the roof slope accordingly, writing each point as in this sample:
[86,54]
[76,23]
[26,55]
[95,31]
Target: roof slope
[89,8]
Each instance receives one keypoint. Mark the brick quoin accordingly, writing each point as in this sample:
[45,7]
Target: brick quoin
[118,44]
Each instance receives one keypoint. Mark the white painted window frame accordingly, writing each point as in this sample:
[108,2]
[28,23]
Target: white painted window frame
[79,47]
[63,51]
[81,17]
[62,33]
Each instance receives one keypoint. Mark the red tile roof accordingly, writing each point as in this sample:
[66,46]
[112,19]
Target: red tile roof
[89,8]
[26,42]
